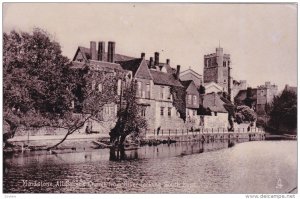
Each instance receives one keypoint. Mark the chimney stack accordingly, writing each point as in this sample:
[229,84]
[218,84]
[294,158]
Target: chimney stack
[151,62]
[93,52]
[101,50]
[168,61]
[177,71]
[156,58]
[143,55]
[111,52]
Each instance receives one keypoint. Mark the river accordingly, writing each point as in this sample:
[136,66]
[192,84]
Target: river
[190,167]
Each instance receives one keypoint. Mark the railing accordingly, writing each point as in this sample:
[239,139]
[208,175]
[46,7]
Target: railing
[168,132]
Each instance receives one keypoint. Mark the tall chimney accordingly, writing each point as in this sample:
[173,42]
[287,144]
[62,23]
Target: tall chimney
[101,50]
[156,58]
[168,61]
[93,52]
[151,62]
[142,55]
[177,71]
[111,52]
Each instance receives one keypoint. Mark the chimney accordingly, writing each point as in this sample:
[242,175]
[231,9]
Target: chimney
[156,58]
[143,55]
[151,62]
[93,50]
[168,61]
[177,71]
[111,52]
[101,50]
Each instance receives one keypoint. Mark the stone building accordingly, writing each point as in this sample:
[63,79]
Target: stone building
[192,103]
[217,69]
[154,79]
[190,74]
[257,98]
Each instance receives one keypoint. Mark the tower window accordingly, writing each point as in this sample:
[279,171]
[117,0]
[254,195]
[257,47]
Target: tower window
[224,63]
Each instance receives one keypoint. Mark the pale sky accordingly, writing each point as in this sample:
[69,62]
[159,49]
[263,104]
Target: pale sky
[261,38]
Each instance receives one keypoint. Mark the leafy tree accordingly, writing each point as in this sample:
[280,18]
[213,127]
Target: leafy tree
[130,121]
[37,80]
[244,114]
[283,111]
[202,89]
[179,101]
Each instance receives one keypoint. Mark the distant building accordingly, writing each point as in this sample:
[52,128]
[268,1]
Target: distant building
[219,115]
[257,98]
[192,103]
[265,95]
[213,87]
[217,69]
[191,75]
[236,87]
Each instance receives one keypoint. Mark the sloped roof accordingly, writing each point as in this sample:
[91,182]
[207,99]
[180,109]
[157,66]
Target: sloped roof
[162,78]
[86,54]
[242,95]
[186,83]
[214,103]
[192,72]
[131,65]
[98,65]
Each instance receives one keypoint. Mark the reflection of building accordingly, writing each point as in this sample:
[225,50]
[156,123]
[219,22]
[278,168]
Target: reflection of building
[191,75]
[217,69]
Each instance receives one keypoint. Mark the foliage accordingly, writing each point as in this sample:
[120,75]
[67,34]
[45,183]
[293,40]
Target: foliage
[130,121]
[178,94]
[283,111]
[202,90]
[244,114]
[231,114]
[37,79]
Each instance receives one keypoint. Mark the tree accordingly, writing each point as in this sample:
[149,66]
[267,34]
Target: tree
[37,80]
[130,121]
[283,111]
[244,114]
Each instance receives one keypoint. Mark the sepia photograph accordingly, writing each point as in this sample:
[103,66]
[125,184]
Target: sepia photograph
[149,98]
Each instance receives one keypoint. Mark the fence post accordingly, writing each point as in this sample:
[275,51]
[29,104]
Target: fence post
[169,132]
[182,131]
[187,131]
[162,132]
[176,132]
[212,130]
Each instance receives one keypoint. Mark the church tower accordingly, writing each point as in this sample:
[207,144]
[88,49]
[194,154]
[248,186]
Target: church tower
[217,69]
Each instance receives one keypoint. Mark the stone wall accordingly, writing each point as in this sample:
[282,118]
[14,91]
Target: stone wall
[218,121]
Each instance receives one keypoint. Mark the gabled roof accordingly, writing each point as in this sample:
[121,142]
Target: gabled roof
[242,95]
[131,65]
[167,79]
[213,84]
[186,83]
[214,103]
[192,72]
[86,54]
[97,65]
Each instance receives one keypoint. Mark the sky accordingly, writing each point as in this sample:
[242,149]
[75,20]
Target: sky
[261,38]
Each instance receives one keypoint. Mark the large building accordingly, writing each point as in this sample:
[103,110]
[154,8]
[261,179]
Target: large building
[217,69]
[155,82]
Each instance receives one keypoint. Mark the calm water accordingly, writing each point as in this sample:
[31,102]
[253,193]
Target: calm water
[250,167]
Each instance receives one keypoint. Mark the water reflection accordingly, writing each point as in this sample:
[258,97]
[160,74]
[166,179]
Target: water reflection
[184,167]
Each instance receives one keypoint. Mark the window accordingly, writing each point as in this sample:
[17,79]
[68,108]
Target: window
[139,89]
[161,92]
[93,84]
[189,99]
[143,111]
[216,113]
[224,63]
[162,110]
[100,87]
[148,90]
[195,100]
[169,111]
[119,87]
[194,112]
